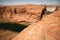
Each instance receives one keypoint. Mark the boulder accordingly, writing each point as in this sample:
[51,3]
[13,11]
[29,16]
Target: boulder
[46,29]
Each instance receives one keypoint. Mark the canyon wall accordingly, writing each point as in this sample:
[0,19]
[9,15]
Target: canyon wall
[23,14]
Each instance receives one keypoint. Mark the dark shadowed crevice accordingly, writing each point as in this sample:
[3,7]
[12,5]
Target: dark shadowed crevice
[15,11]
[12,26]
[43,13]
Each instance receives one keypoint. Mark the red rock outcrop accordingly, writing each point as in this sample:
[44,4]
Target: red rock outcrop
[58,8]
[46,29]
[21,14]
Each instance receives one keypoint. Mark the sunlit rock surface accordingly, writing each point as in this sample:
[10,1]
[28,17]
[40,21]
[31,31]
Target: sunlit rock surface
[46,29]
[23,14]
[7,35]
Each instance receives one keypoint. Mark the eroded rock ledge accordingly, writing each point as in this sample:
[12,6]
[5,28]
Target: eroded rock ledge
[24,14]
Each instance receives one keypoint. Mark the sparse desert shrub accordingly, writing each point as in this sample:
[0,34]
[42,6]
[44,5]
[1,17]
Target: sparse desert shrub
[15,11]
[48,12]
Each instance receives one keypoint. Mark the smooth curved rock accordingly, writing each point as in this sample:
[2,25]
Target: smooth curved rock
[46,29]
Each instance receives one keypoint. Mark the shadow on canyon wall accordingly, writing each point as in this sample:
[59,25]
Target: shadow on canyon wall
[12,26]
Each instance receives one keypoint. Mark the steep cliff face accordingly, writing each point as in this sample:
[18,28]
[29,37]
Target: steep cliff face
[46,29]
[21,14]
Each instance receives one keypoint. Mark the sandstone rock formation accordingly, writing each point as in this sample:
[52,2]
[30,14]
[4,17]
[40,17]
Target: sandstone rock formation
[7,35]
[58,8]
[46,29]
[25,14]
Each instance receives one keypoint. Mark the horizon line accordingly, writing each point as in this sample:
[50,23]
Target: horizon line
[27,4]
